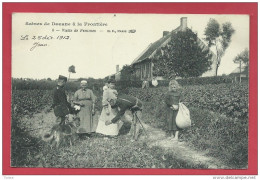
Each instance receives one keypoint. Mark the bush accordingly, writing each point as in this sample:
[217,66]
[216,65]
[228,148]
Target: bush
[230,99]
[205,80]
[123,85]
[23,84]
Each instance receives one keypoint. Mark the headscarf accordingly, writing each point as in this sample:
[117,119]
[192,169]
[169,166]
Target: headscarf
[83,82]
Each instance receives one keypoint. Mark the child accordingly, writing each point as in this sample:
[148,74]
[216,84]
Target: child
[172,100]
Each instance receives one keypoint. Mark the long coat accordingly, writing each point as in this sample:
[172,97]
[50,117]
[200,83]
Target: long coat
[86,99]
[60,104]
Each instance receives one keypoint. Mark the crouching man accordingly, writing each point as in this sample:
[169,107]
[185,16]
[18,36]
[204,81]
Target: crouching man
[124,103]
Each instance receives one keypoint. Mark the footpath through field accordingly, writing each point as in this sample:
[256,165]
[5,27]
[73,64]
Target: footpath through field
[180,150]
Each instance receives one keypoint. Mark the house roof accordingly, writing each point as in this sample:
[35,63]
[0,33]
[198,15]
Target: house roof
[149,52]
[237,70]
[151,49]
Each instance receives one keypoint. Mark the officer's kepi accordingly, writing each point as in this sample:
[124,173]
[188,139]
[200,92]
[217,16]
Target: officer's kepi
[62,78]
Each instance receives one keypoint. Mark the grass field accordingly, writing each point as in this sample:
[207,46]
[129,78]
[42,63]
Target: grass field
[215,140]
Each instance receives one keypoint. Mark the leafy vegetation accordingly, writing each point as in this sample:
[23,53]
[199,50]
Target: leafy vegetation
[72,86]
[224,137]
[127,73]
[243,59]
[219,36]
[230,99]
[183,56]
[28,150]
[219,114]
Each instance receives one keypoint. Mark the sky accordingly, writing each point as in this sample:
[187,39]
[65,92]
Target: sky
[96,54]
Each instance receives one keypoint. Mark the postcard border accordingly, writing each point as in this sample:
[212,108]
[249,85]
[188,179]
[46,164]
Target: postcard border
[146,8]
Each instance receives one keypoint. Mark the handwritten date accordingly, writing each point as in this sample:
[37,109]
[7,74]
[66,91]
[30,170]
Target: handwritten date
[45,37]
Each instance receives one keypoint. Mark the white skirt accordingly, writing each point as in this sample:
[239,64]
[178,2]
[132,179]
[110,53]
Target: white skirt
[112,129]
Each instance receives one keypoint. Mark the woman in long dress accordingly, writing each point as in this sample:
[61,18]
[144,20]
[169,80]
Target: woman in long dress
[108,113]
[86,99]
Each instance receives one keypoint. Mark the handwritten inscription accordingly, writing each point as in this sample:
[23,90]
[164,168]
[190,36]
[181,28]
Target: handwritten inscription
[37,44]
[46,37]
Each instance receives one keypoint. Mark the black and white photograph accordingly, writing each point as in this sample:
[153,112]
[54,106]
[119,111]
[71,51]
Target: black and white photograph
[105,90]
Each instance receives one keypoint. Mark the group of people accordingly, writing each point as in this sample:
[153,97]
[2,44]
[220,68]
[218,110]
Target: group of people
[117,109]
[145,83]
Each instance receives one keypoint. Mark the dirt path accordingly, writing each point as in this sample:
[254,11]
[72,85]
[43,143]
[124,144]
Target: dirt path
[157,137]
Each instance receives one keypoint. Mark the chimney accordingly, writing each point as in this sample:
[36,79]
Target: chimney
[183,23]
[117,68]
[165,33]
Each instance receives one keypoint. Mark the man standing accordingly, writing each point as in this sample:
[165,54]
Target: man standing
[60,104]
[124,103]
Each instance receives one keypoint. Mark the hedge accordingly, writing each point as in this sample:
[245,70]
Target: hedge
[22,84]
[123,85]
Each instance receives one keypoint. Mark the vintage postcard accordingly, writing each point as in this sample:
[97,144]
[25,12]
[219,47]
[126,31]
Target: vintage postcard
[130,91]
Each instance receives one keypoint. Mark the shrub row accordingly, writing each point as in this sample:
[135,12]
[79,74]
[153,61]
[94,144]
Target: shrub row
[230,99]
[97,84]
[205,80]
[122,85]
[22,84]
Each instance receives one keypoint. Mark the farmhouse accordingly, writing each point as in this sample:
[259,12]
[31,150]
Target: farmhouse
[143,64]
[239,74]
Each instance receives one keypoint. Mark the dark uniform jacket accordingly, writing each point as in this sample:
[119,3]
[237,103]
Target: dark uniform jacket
[60,104]
[126,102]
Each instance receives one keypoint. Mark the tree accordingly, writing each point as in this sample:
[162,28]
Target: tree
[184,56]
[243,60]
[127,73]
[71,70]
[219,36]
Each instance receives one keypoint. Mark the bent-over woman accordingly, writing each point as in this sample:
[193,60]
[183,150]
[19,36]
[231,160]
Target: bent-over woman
[108,113]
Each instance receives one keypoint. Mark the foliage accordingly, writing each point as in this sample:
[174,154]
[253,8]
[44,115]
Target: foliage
[218,36]
[224,137]
[72,69]
[30,84]
[28,151]
[125,85]
[23,146]
[205,80]
[243,58]
[221,136]
[28,102]
[127,73]
[230,99]
[183,56]
[122,86]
